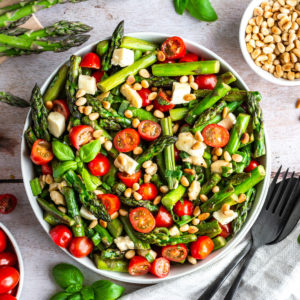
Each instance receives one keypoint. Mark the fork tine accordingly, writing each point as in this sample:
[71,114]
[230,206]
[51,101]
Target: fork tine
[276,198]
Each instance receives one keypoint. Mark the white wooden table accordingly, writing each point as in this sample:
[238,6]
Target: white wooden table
[19,75]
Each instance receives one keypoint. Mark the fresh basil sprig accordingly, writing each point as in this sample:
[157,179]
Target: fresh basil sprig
[62,151]
[180,6]
[89,151]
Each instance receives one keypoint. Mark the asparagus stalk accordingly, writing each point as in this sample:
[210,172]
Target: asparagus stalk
[13,100]
[139,203]
[214,179]
[13,6]
[102,47]
[211,229]
[12,25]
[137,44]
[50,219]
[188,68]
[30,137]
[142,114]
[15,31]
[219,242]
[172,197]
[114,44]
[106,238]
[120,76]
[116,265]
[112,254]
[115,228]
[161,82]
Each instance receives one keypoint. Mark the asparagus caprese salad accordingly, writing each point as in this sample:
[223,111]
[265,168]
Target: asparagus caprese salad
[145,154]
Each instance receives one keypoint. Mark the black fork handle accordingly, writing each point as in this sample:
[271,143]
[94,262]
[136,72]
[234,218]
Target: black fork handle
[234,287]
[213,288]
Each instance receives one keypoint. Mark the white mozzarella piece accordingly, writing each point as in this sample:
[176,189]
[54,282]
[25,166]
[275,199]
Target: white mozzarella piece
[128,164]
[179,91]
[174,231]
[86,214]
[122,57]
[131,95]
[228,122]
[124,243]
[56,124]
[223,219]
[216,166]
[88,84]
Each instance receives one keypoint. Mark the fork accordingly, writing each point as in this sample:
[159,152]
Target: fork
[268,227]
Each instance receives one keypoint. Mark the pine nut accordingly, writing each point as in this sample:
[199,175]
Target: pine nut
[80,101]
[103,223]
[87,110]
[80,93]
[137,86]
[144,84]
[215,189]
[93,224]
[128,114]
[49,105]
[135,122]
[193,229]
[214,158]
[152,169]
[108,145]
[195,221]
[158,114]
[184,228]
[189,97]
[152,96]
[144,73]
[203,198]
[242,198]
[128,192]
[197,146]
[175,128]
[97,134]
[245,138]
[137,196]
[227,156]
[138,150]
[225,112]
[228,213]
[191,78]
[198,136]
[154,89]
[164,189]
[102,96]
[49,179]
[147,178]
[130,80]
[190,171]
[98,192]
[62,209]
[184,181]
[161,56]
[204,216]
[130,254]
[157,199]
[123,212]
[81,109]
[149,107]
[135,186]
[147,164]
[94,116]
[237,157]
[114,215]
[192,260]
[194,86]
[183,79]
[196,211]
[106,104]
[218,151]
[225,207]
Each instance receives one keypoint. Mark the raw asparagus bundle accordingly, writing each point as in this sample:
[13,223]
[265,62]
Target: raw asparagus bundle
[13,100]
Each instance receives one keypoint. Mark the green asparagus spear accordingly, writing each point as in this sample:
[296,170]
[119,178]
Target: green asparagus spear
[114,44]
[139,203]
[112,254]
[137,44]
[106,238]
[51,220]
[57,84]
[141,114]
[12,100]
[162,82]
[213,180]
[219,242]
[13,6]
[35,186]
[102,47]
[237,179]
[211,229]
[170,199]
[188,68]
[30,137]
[115,228]
[111,265]
[120,76]
[12,25]
[15,31]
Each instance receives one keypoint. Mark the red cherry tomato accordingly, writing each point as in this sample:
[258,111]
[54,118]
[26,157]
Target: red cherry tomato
[90,60]
[8,203]
[81,246]
[9,278]
[129,180]
[47,169]
[215,135]
[161,101]
[80,135]
[126,140]
[41,152]
[100,165]
[202,247]
[176,153]
[160,267]
[142,220]
[185,208]
[189,57]
[8,259]
[144,93]
[226,230]
[149,130]
[3,241]
[138,265]
[174,48]
[111,202]
[7,297]
[175,253]
[148,191]
[163,218]
[253,164]
[206,82]
[98,75]
[61,106]
[61,235]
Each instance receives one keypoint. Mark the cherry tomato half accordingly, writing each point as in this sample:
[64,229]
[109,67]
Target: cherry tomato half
[47,169]
[206,82]
[80,135]
[148,191]
[61,106]
[226,230]
[61,235]
[202,247]
[160,267]
[126,140]
[129,180]
[100,165]
[9,278]
[138,265]
[144,93]
[8,259]
[176,153]
[81,246]
[41,152]
[111,202]
[90,60]
[7,297]
[3,241]
[163,218]
[161,102]
[215,135]
[142,220]
[8,203]
[98,75]
[174,48]
[184,208]
[253,164]
[149,130]
[175,253]
[189,57]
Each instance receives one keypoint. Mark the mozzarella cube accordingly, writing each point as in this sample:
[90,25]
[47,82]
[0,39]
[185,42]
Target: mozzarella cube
[86,214]
[216,166]
[223,219]
[122,57]
[179,91]
[131,95]
[228,122]
[56,124]
[124,243]
[126,164]
[174,231]
[88,84]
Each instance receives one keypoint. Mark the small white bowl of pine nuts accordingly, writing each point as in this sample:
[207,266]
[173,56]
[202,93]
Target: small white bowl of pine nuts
[270,40]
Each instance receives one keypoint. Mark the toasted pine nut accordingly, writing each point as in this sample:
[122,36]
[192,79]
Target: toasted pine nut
[149,107]
[189,171]
[144,73]
[102,96]
[242,198]
[128,114]
[227,156]
[228,213]
[214,158]
[218,151]
[198,136]
[203,216]
[157,199]
[225,207]
[48,179]
[189,97]
[147,178]
[80,93]
[135,186]
[123,212]
[80,101]
[137,196]
[135,122]
[137,86]
[147,164]
[152,96]
[62,209]
[193,229]
[114,215]
[183,79]
[145,84]
[245,138]
[97,133]
[225,112]
[137,150]
[128,193]
[154,89]
[161,56]
[93,224]
[184,228]
[197,146]
[203,198]
[49,105]
[121,160]
[215,189]
[164,189]
[175,128]
[87,110]
[195,221]
[192,260]
[194,86]
[103,223]
[106,104]
[130,80]
[93,116]
[184,181]
[130,254]
[108,145]
[196,211]
[237,157]
[158,114]
[81,109]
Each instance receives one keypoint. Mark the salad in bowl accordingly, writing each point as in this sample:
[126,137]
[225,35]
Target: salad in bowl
[145,156]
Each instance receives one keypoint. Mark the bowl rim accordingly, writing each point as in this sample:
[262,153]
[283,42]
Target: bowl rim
[219,253]
[19,256]
[247,15]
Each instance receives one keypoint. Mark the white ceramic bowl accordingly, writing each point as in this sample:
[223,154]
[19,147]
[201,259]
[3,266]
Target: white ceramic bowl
[248,14]
[19,256]
[176,271]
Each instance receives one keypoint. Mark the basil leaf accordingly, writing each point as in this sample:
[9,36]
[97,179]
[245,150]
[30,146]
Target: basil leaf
[67,275]
[76,296]
[74,288]
[87,293]
[60,296]
[91,182]
[89,151]
[62,152]
[106,290]
[202,10]
[60,168]
[180,6]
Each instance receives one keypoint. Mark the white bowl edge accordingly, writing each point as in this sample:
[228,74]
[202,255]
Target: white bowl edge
[178,271]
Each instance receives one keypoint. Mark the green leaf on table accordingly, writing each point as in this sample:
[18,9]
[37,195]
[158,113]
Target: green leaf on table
[87,293]
[180,6]
[202,10]
[106,290]
[60,296]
